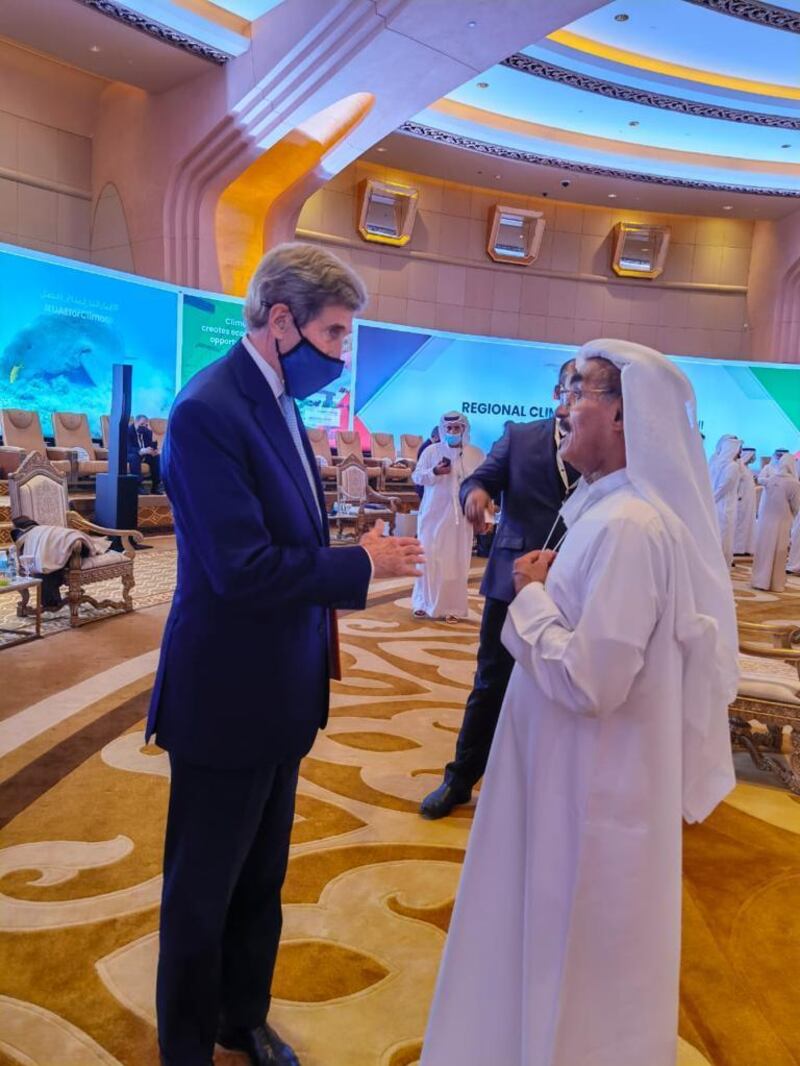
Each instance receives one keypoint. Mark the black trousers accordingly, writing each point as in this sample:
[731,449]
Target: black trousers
[225,858]
[484,702]
[153,461]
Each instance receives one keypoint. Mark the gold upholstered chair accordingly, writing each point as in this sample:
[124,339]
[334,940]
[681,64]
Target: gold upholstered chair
[320,446]
[765,716]
[22,434]
[72,431]
[159,428]
[354,495]
[38,491]
[394,469]
[409,446]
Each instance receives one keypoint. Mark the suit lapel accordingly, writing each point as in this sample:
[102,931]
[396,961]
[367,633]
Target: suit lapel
[270,418]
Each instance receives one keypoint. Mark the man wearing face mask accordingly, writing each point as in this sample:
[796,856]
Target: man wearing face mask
[444,532]
[249,649]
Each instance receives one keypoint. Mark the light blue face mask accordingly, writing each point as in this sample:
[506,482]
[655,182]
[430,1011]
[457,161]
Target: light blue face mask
[453,439]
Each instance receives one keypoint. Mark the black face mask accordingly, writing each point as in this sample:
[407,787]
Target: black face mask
[306,369]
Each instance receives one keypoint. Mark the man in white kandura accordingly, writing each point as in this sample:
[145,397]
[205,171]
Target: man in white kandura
[724,469]
[793,564]
[441,590]
[565,939]
[744,537]
[778,508]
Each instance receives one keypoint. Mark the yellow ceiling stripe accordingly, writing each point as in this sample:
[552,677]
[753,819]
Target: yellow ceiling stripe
[672,70]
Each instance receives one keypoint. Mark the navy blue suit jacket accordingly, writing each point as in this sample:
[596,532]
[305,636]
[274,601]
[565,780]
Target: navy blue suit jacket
[521,471]
[243,676]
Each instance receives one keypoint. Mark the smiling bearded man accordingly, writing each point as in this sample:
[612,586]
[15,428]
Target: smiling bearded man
[564,947]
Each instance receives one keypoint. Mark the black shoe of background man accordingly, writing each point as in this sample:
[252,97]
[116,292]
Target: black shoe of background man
[440,803]
[262,1044]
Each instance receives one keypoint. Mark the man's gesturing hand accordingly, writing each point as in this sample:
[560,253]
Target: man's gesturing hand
[475,509]
[392,556]
[532,567]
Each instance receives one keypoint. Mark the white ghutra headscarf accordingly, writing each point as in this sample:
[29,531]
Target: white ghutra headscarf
[728,447]
[667,466]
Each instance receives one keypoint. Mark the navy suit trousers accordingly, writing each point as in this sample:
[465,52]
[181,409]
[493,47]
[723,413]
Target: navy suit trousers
[225,859]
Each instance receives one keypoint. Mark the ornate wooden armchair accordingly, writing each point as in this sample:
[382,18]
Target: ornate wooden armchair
[348,443]
[765,716]
[38,491]
[320,446]
[394,469]
[354,493]
[72,431]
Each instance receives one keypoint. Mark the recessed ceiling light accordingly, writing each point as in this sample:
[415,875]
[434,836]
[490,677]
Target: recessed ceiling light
[634,123]
[471,24]
[786,146]
[727,207]
[498,176]
[612,196]
[381,149]
[94,48]
[621,18]
[483,84]
[480,172]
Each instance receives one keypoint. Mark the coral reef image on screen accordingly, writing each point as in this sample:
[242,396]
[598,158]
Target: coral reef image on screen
[62,328]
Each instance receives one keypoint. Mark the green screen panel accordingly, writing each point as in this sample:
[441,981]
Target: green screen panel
[782,385]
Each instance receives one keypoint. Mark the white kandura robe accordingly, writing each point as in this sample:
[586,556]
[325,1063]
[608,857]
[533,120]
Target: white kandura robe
[444,532]
[564,945]
[744,537]
[780,504]
[794,547]
[725,485]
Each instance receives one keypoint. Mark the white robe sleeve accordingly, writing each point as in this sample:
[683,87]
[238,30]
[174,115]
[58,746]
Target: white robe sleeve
[589,669]
[423,472]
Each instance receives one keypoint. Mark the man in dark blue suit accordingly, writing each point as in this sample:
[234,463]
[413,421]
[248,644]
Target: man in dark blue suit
[249,649]
[524,469]
[143,447]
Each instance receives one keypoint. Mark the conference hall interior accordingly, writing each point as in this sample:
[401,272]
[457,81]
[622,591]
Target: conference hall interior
[500,183]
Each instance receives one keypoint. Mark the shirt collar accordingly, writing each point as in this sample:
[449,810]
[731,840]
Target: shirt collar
[271,377]
[586,495]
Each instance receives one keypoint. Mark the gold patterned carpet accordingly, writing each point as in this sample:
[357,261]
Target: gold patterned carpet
[370,884]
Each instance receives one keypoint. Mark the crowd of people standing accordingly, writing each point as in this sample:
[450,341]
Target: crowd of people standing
[767,528]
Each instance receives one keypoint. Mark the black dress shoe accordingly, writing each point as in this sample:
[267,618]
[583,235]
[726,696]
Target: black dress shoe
[440,803]
[262,1044]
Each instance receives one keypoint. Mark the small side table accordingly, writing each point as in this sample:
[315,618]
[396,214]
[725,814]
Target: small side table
[22,586]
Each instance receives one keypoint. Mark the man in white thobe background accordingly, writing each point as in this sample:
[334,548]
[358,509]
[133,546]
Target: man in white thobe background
[724,469]
[441,589]
[793,563]
[565,940]
[744,537]
[780,505]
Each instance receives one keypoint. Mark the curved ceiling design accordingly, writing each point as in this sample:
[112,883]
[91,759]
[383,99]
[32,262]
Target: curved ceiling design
[704,93]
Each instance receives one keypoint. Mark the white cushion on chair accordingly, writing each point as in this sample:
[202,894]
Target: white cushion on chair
[758,687]
[95,562]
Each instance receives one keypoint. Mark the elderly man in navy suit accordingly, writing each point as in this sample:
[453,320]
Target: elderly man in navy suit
[249,649]
[525,469]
